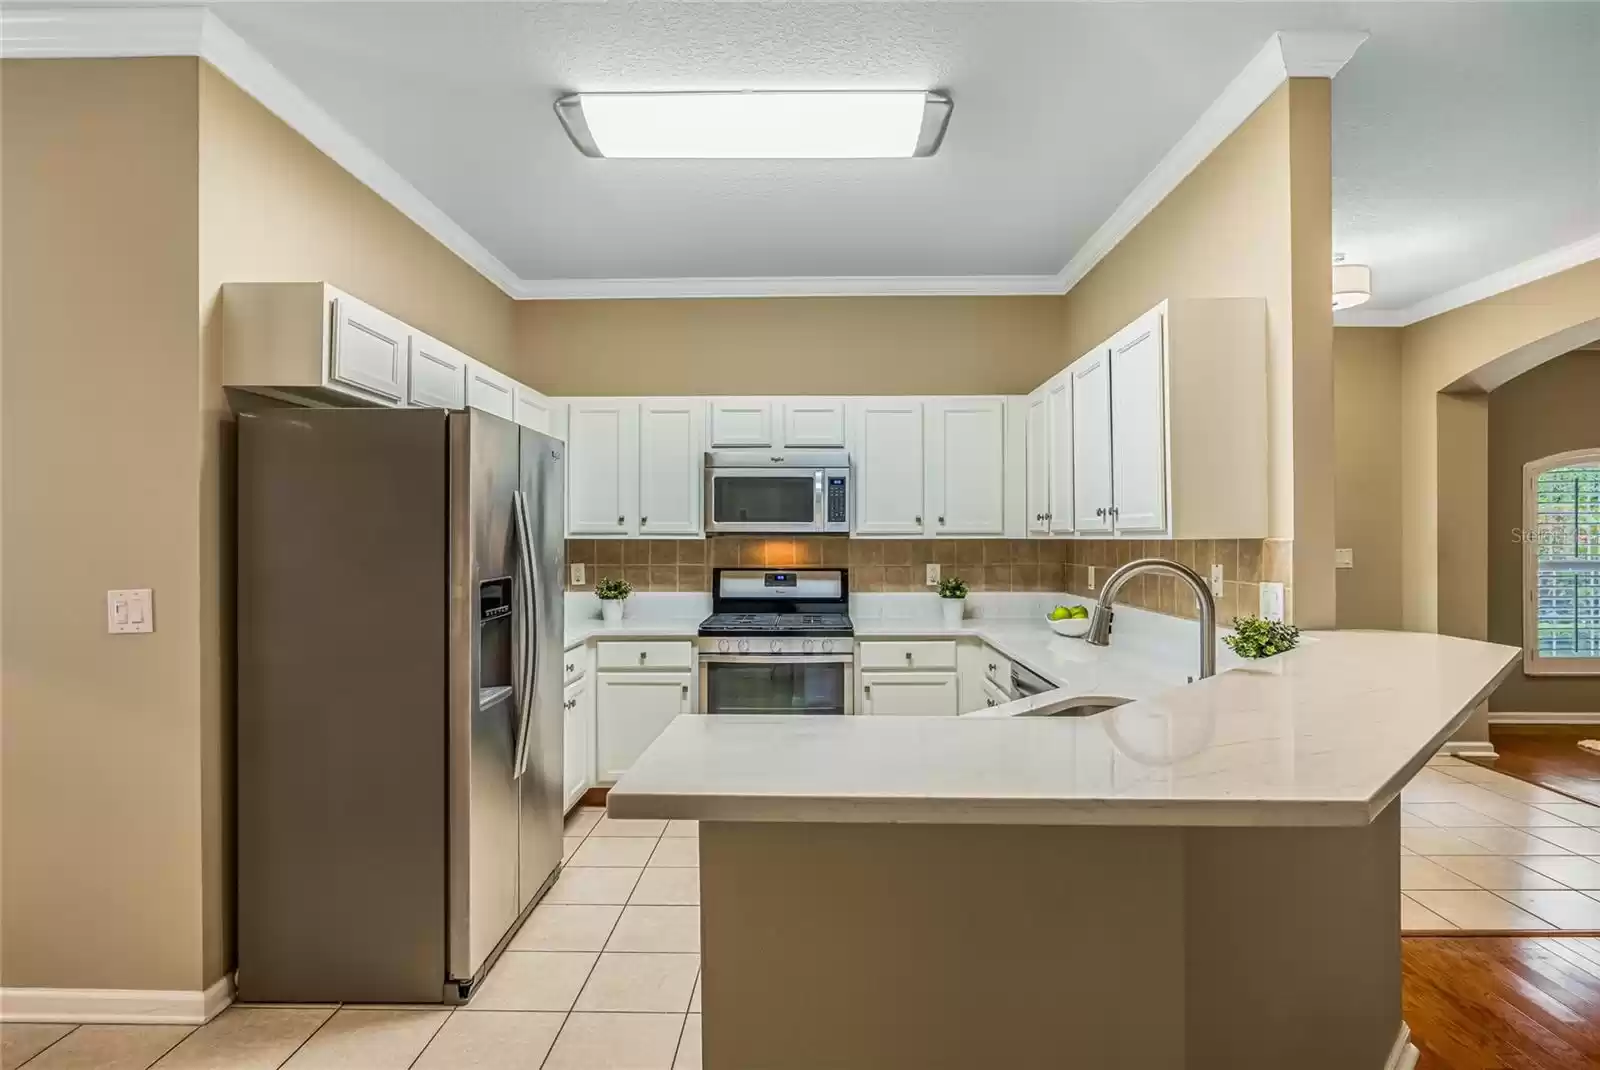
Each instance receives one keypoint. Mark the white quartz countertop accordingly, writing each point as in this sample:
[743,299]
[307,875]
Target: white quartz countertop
[1323,735]
[579,632]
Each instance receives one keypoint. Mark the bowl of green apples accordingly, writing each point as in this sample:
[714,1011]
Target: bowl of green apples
[1070,621]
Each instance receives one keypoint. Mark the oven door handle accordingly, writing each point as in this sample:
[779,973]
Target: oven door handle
[777,659]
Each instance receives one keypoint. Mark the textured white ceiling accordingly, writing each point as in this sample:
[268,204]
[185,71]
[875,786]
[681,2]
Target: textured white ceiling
[1467,135]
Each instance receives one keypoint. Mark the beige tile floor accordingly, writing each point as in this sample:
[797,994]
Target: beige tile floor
[1484,851]
[605,975]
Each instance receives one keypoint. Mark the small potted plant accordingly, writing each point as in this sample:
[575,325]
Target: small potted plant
[612,593]
[1255,638]
[953,599]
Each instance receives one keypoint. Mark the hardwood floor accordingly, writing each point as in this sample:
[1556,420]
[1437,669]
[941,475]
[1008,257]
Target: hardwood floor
[1548,755]
[1503,1003]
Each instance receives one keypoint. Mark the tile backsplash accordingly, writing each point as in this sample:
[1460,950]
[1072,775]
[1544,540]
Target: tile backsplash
[886,565]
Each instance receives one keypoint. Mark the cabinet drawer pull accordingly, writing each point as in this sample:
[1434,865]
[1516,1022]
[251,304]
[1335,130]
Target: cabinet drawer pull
[908,657]
[993,667]
[642,656]
[570,666]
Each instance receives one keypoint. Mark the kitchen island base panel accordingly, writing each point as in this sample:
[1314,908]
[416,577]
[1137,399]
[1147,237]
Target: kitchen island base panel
[924,947]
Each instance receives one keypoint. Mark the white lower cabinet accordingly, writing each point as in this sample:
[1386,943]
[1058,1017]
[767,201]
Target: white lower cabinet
[993,696]
[577,704]
[910,694]
[631,710]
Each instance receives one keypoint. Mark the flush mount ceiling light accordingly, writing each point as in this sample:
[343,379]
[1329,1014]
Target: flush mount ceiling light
[756,125]
[1352,284]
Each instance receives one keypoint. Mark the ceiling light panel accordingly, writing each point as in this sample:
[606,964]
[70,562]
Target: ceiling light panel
[756,125]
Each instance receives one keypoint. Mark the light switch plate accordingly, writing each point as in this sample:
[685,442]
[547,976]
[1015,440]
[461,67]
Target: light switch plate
[129,612]
[932,579]
[1216,581]
[577,574]
[1344,558]
[1271,601]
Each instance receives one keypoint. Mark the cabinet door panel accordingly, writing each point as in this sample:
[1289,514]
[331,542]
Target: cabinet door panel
[813,423]
[1139,428]
[671,462]
[491,392]
[534,410]
[631,710]
[909,694]
[577,763]
[887,460]
[1091,442]
[602,482]
[966,471]
[438,374]
[1038,460]
[1059,447]
[739,422]
[369,350]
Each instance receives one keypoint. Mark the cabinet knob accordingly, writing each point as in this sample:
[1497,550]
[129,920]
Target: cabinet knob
[642,656]
[993,667]
[621,520]
[685,690]
[908,657]
[643,520]
[1100,512]
[1049,516]
[1038,516]
[941,520]
[919,520]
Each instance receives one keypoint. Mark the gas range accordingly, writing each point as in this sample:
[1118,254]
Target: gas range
[784,612]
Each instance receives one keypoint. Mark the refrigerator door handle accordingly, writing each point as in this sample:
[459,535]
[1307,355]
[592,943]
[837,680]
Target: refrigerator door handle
[530,631]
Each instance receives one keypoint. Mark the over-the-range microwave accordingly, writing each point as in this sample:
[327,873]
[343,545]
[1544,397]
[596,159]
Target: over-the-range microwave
[777,492]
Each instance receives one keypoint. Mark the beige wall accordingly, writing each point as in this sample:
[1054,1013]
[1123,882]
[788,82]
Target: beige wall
[101,791]
[790,345]
[1252,220]
[1523,326]
[1551,409]
[1366,406]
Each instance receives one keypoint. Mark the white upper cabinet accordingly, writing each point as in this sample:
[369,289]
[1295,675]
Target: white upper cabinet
[602,473]
[886,461]
[1058,513]
[1139,428]
[1037,461]
[438,374]
[813,423]
[491,391]
[1091,442]
[738,423]
[370,350]
[670,466]
[535,411]
[966,465]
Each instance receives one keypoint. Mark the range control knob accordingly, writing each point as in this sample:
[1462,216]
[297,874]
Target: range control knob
[723,645]
[777,646]
[827,645]
[744,646]
[807,645]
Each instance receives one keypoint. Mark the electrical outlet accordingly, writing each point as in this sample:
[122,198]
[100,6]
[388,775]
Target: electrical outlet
[1344,558]
[933,575]
[1271,601]
[577,575]
[1091,577]
[1216,581]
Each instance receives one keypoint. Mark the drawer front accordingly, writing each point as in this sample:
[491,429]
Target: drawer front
[997,668]
[993,696]
[572,664]
[652,654]
[922,654]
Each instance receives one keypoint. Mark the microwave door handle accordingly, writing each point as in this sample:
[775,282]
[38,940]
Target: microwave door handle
[530,632]
[819,502]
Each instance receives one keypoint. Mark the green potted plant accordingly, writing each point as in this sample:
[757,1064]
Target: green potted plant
[612,593]
[1255,638]
[953,599]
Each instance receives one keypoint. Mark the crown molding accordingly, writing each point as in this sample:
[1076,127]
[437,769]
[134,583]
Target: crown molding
[196,31]
[1285,55]
[787,286]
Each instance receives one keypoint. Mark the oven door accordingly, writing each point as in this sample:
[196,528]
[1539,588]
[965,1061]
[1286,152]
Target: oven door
[765,500]
[801,683]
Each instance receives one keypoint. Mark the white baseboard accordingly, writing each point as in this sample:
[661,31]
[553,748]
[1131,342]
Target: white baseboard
[1523,717]
[133,1006]
[1470,748]
[1404,1054]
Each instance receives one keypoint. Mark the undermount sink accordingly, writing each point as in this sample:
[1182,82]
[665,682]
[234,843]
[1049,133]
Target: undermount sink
[1079,706]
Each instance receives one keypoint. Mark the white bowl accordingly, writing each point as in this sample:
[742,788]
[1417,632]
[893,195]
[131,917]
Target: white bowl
[1072,627]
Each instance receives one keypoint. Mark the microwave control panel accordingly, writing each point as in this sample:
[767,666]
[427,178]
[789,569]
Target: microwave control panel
[838,512]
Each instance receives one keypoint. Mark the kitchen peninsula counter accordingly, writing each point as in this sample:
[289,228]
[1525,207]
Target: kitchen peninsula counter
[1205,877]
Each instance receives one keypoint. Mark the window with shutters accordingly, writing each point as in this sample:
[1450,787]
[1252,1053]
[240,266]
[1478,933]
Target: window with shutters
[1561,564]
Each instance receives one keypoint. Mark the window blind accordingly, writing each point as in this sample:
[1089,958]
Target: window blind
[1567,515]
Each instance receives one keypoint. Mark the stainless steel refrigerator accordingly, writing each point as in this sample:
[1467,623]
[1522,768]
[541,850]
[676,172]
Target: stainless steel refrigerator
[399,614]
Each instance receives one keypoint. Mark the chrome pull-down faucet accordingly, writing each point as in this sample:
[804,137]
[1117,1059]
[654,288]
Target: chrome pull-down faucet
[1100,624]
